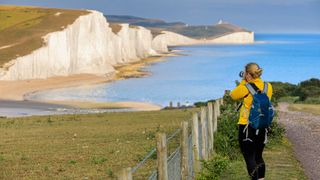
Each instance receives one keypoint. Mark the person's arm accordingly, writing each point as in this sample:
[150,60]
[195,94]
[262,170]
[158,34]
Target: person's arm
[240,91]
[270,91]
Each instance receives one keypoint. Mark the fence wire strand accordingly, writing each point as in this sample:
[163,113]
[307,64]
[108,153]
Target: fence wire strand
[174,159]
[154,150]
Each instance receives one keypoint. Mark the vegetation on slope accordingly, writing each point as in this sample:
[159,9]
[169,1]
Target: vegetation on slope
[145,22]
[198,32]
[22,28]
[305,92]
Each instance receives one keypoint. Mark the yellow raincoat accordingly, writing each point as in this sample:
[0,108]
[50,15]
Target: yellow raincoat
[241,91]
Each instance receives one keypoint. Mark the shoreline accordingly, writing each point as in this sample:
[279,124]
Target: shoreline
[16,92]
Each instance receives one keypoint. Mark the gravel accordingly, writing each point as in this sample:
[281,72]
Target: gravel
[303,130]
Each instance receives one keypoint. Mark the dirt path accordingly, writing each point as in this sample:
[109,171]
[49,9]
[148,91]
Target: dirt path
[303,130]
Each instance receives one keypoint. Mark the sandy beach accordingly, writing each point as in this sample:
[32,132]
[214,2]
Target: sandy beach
[15,91]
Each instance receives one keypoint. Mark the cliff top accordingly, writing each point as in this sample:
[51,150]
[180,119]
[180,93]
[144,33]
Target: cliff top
[193,31]
[22,28]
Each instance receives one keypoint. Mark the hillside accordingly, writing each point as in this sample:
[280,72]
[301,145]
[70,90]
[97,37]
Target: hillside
[22,28]
[145,22]
[198,32]
[307,91]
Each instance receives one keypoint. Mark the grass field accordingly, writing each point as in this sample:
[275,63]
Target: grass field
[81,146]
[280,164]
[310,108]
[22,28]
[96,146]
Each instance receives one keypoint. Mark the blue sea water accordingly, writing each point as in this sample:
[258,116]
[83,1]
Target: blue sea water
[207,70]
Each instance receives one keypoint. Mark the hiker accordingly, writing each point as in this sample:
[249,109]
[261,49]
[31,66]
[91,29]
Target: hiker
[251,138]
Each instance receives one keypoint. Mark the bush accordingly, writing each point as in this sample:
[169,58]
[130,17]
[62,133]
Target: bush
[312,100]
[199,104]
[226,138]
[213,168]
[306,91]
[276,132]
[226,141]
[283,89]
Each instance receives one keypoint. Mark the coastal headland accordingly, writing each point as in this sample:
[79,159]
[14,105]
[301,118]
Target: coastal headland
[68,48]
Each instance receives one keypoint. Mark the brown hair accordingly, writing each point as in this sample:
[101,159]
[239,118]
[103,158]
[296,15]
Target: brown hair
[254,70]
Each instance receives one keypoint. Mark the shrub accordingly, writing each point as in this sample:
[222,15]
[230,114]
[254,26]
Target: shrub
[199,104]
[226,138]
[276,132]
[309,89]
[213,168]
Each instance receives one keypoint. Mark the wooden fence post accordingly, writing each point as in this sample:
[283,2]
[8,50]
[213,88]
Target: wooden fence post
[162,156]
[125,174]
[210,127]
[218,107]
[195,142]
[215,116]
[184,145]
[221,101]
[204,133]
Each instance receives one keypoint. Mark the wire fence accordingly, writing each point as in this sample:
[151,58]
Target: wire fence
[184,162]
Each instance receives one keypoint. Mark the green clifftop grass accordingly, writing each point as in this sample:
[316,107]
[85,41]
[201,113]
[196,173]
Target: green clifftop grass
[95,146]
[22,28]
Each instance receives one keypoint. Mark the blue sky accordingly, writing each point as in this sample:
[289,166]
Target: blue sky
[291,16]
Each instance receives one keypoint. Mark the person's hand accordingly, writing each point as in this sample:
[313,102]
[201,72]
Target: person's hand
[248,77]
[244,75]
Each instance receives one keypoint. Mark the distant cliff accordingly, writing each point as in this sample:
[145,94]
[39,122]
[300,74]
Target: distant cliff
[191,31]
[86,46]
[91,45]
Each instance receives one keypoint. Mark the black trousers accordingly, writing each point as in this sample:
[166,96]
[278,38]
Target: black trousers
[252,145]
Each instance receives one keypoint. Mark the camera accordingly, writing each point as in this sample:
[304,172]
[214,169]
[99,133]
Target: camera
[241,73]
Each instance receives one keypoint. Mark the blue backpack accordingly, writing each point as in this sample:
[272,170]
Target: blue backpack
[261,112]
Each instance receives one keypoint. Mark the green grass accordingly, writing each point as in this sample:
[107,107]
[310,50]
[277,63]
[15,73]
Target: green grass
[280,164]
[11,16]
[95,146]
[22,28]
[288,99]
[309,108]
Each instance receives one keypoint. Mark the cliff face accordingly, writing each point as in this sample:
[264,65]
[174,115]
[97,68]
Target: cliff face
[90,46]
[86,46]
[135,43]
[234,38]
[162,41]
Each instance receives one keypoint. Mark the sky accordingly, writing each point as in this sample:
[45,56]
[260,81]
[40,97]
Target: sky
[264,16]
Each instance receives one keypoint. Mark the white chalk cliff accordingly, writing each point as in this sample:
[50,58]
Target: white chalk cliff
[89,46]
[161,42]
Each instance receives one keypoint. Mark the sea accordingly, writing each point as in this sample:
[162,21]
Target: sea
[204,72]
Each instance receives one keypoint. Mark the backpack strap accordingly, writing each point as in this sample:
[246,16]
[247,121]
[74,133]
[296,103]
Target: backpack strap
[252,88]
[265,88]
